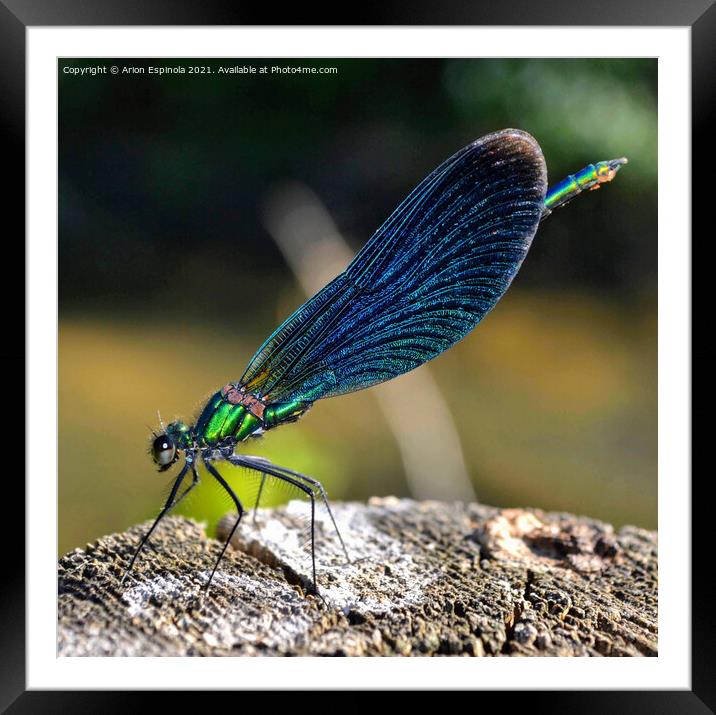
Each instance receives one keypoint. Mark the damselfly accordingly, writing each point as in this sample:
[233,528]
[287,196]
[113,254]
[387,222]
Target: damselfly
[425,279]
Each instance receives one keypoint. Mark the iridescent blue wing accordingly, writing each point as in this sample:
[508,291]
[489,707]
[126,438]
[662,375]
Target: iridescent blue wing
[425,279]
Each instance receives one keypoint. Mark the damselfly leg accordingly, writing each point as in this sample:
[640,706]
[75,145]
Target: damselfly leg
[239,509]
[309,486]
[316,487]
[171,502]
[258,496]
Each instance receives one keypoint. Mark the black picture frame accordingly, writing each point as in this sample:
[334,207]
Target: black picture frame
[17,15]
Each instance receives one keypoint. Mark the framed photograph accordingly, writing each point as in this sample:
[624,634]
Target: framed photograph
[230,224]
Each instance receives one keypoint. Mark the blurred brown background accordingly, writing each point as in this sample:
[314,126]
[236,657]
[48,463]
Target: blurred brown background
[176,262]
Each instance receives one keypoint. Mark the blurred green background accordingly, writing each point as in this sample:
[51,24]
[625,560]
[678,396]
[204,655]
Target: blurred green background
[169,279]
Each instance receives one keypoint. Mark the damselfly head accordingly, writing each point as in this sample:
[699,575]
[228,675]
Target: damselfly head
[165,445]
[163,451]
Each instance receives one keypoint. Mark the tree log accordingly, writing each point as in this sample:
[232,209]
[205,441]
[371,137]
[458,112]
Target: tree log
[426,578]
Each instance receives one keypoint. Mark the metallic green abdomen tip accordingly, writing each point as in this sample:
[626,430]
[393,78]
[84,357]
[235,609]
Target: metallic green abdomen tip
[590,177]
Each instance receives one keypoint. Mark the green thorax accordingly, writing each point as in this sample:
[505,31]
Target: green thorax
[233,413]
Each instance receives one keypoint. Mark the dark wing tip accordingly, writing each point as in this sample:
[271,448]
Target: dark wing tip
[518,141]
[517,136]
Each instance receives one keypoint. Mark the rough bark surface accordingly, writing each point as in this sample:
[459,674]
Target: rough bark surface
[427,578]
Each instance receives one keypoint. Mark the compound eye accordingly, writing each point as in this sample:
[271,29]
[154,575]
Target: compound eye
[163,450]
